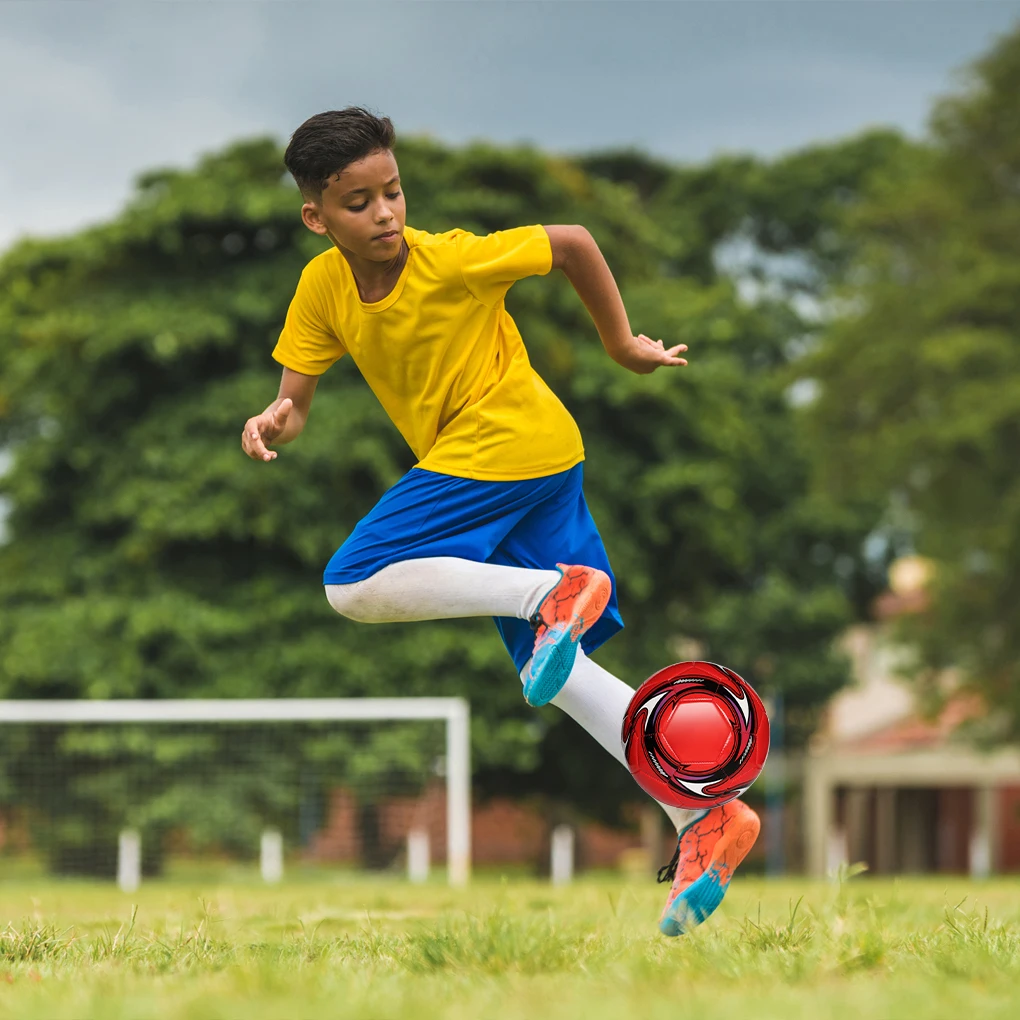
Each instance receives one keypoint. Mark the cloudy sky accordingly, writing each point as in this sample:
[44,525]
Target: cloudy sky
[93,93]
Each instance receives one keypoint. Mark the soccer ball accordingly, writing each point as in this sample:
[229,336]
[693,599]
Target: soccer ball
[695,735]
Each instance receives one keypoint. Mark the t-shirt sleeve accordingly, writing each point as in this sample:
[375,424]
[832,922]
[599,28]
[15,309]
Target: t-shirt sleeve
[490,264]
[307,344]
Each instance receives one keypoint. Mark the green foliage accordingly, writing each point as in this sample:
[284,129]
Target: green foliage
[786,217]
[920,394]
[148,558]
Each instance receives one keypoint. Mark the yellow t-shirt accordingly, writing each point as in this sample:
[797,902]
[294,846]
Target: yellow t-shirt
[441,353]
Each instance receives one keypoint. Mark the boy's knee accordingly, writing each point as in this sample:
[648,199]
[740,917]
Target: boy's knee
[349,600]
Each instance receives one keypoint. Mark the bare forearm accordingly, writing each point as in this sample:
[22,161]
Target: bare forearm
[589,274]
[300,389]
[575,252]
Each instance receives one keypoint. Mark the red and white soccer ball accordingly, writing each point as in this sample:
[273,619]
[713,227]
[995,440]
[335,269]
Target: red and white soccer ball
[695,735]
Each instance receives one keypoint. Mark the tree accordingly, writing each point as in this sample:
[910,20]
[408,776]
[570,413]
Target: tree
[920,375]
[147,558]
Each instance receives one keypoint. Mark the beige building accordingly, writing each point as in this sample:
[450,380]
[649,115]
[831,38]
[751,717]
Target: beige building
[898,791]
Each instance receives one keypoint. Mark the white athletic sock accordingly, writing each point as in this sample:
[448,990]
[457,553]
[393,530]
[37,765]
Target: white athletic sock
[442,588]
[597,701]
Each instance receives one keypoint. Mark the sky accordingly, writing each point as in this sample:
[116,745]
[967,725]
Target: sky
[91,94]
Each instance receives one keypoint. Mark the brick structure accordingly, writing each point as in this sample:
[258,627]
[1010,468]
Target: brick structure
[504,832]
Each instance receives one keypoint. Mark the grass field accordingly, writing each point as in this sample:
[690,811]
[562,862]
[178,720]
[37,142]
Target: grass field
[516,949]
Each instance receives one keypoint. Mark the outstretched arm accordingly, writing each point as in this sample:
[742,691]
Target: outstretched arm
[283,420]
[575,252]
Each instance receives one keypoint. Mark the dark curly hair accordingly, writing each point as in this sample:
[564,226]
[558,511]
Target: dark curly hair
[330,141]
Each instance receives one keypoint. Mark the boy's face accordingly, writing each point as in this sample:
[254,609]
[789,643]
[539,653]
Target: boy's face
[362,208]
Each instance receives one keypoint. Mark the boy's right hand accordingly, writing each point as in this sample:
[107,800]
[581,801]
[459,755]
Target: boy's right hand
[264,428]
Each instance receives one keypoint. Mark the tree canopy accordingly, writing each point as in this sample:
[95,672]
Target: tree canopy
[919,400]
[146,557]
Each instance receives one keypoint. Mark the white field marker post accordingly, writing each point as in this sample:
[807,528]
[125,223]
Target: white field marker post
[837,852]
[983,837]
[458,791]
[980,856]
[418,855]
[562,855]
[129,860]
[271,856]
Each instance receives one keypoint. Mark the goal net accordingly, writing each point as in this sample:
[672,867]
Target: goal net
[203,787]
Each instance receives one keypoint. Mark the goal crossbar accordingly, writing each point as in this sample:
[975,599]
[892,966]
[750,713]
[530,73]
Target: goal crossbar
[454,711]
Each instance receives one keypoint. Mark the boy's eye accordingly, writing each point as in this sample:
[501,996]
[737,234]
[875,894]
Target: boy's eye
[364,205]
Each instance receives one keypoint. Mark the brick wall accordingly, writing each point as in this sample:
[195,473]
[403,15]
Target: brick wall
[503,832]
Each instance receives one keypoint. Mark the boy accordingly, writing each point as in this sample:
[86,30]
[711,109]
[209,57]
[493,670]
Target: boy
[492,521]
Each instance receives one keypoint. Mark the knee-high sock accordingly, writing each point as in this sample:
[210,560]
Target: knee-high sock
[597,701]
[442,588]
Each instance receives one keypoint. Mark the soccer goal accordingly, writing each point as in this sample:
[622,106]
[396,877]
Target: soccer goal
[126,788]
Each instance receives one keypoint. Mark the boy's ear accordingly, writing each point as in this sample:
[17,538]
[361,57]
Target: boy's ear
[311,216]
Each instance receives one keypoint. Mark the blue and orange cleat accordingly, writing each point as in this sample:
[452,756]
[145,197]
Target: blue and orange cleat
[578,599]
[707,853]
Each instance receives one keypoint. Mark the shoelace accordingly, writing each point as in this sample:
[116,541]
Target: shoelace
[535,621]
[668,871]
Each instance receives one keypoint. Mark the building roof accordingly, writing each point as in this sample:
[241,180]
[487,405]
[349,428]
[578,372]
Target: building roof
[915,732]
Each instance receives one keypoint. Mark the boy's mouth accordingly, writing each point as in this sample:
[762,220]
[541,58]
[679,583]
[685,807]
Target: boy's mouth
[388,236]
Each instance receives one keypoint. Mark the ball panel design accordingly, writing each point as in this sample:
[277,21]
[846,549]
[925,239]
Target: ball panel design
[695,735]
[697,732]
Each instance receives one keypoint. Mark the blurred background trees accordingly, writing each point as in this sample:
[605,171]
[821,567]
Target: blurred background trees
[919,378]
[852,315]
[148,558]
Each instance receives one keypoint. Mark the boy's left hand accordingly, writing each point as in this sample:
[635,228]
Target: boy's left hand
[645,355]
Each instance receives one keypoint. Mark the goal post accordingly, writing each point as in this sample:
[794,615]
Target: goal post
[455,712]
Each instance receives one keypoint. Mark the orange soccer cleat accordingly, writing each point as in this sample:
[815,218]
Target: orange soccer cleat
[564,615]
[707,853]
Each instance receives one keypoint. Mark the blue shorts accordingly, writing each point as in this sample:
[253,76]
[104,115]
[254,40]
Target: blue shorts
[535,523]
